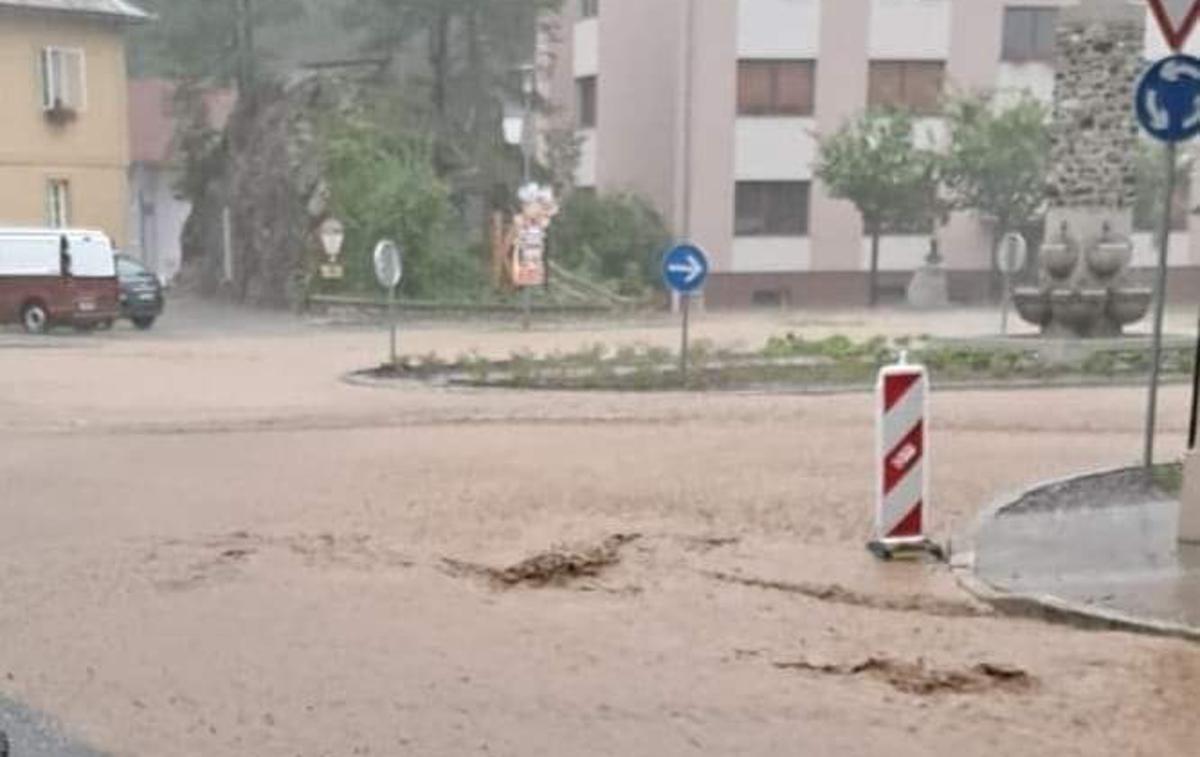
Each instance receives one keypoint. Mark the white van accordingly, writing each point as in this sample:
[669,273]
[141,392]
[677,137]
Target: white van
[57,276]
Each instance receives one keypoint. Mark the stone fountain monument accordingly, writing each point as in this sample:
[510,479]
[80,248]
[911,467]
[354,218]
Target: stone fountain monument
[1084,289]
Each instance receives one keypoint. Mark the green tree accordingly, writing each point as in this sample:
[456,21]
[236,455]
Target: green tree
[997,162]
[874,162]
[1152,186]
[465,57]
[383,185]
[210,40]
[616,238]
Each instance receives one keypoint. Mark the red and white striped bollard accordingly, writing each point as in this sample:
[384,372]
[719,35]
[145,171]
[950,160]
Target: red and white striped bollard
[902,461]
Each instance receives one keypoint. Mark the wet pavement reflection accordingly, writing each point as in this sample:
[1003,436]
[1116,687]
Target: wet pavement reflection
[1118,557]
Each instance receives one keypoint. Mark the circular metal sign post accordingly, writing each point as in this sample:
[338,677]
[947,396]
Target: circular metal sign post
[389,270]
[1011,257]
[685,271]
[1167,105]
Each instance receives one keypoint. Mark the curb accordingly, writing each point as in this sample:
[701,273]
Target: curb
[358,378]
[1048,607]
[1056,610]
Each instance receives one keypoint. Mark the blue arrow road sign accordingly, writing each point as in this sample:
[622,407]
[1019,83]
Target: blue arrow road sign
[1168,99]
[685,269]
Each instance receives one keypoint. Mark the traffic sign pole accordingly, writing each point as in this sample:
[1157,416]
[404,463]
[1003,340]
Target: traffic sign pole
[1011,256]
[1167,104]
[1160,305]
[1194,428]
[685,270]
[392,321]
[389,271]
[1004,307]
[685,306]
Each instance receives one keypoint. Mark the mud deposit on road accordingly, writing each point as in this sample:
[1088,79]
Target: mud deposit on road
[560,566]
[917,678]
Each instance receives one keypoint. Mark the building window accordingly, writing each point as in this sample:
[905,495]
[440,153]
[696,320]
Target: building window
[585,89]
[771,208]
[776,87]
[58,203]
[914,85]
[1029,34]
[63,80]
[589,8]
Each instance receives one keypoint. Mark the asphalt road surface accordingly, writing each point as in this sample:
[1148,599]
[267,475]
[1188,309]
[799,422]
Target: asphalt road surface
[212,545]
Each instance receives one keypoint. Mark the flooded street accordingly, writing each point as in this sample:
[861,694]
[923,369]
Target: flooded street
[212,544]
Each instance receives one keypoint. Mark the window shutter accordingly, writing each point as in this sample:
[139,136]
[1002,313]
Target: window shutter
[923,86]
[71,77]
[754,88]
[46,76]
[885,87]
[794,88]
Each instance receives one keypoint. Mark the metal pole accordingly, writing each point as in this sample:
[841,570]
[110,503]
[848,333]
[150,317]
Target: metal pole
[526,157]
[689,57]
[683,150]
[1160,307]
[245,37]
[527,86]
[685,302]
[1195,424]
[392,322]
[1006,303]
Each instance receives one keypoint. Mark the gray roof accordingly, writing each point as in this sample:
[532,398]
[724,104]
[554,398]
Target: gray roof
[116,9]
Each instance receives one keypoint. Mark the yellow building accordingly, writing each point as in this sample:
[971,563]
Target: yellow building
[64,133]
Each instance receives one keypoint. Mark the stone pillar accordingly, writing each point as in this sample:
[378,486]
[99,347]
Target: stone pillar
[1084,290]
[1093,175]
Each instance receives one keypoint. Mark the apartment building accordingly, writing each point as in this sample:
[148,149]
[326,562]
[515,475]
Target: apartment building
[713,109]
[64,141]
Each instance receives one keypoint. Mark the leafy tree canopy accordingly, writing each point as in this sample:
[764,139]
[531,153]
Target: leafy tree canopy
[998,158]
[875,163]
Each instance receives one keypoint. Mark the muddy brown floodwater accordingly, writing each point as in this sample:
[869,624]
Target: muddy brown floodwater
[211,545]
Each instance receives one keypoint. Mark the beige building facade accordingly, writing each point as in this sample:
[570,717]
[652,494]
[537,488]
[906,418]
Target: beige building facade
[64,137]
[713,110]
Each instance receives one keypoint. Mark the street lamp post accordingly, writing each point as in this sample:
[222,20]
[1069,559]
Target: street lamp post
[528,87]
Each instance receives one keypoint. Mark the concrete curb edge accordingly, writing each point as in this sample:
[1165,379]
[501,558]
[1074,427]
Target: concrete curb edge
[1048,607]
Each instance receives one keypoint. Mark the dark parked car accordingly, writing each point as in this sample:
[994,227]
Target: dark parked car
[141,293]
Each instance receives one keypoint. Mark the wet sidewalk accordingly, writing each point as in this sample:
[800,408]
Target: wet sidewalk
[33,734]
[1099,546]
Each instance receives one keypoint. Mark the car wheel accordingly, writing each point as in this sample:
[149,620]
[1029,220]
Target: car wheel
[103,326]
[35,318]
[144,323]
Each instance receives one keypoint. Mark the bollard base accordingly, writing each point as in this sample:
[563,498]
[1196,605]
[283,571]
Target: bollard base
[908,549]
